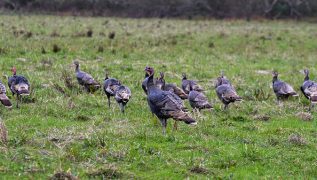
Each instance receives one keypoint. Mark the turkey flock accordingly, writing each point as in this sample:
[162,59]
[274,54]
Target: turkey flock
[165,100]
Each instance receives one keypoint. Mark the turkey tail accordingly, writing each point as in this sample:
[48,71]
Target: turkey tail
[96,86]
[232,96]
[5,101]
[124,96]
[182,116]
[313,98]
[22,89]
[190,121]
[123,93]
[208,106]
[289,90]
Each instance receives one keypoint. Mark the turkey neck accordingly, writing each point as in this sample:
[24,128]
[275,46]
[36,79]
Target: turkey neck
[150,83]
[146,75]
[163,83]
[274,79]
[77,68]
[306,77]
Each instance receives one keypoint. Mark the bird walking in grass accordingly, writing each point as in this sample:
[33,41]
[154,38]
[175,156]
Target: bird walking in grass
[309,89]
[226,92]
[3,96]
[190,84]
[85,79]
[281,89]
[160,82]
[110,87]
[122,96]
[165,104]
[18,85]
[198,100]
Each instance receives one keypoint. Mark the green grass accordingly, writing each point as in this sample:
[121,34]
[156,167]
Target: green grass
[76,133]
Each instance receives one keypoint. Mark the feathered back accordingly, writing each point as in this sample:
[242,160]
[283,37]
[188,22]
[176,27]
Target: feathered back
[83,77]
[86,79]
[110,86]
[198,100]
[3,96]
[280,88]
[195,86]
[227,94]
[123,93]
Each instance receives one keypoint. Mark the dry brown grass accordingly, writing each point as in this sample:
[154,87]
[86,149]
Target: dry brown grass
[3,133]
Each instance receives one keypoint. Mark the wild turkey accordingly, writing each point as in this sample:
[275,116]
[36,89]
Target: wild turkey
[309,89]
[226,93]
[224,80]
[281,89]
[198,100]
[165,104]
[170,87]
[18,85]
[190,84]
[110,86]
[122,96]
[85,79]
[144,83]
[3,96]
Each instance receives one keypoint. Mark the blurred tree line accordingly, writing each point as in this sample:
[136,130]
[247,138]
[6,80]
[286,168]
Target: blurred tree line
[170,8]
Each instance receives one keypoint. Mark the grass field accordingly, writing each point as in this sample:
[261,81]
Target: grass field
[61,129]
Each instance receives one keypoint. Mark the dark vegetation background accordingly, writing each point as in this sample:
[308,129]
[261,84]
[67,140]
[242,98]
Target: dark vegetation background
[168,8]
